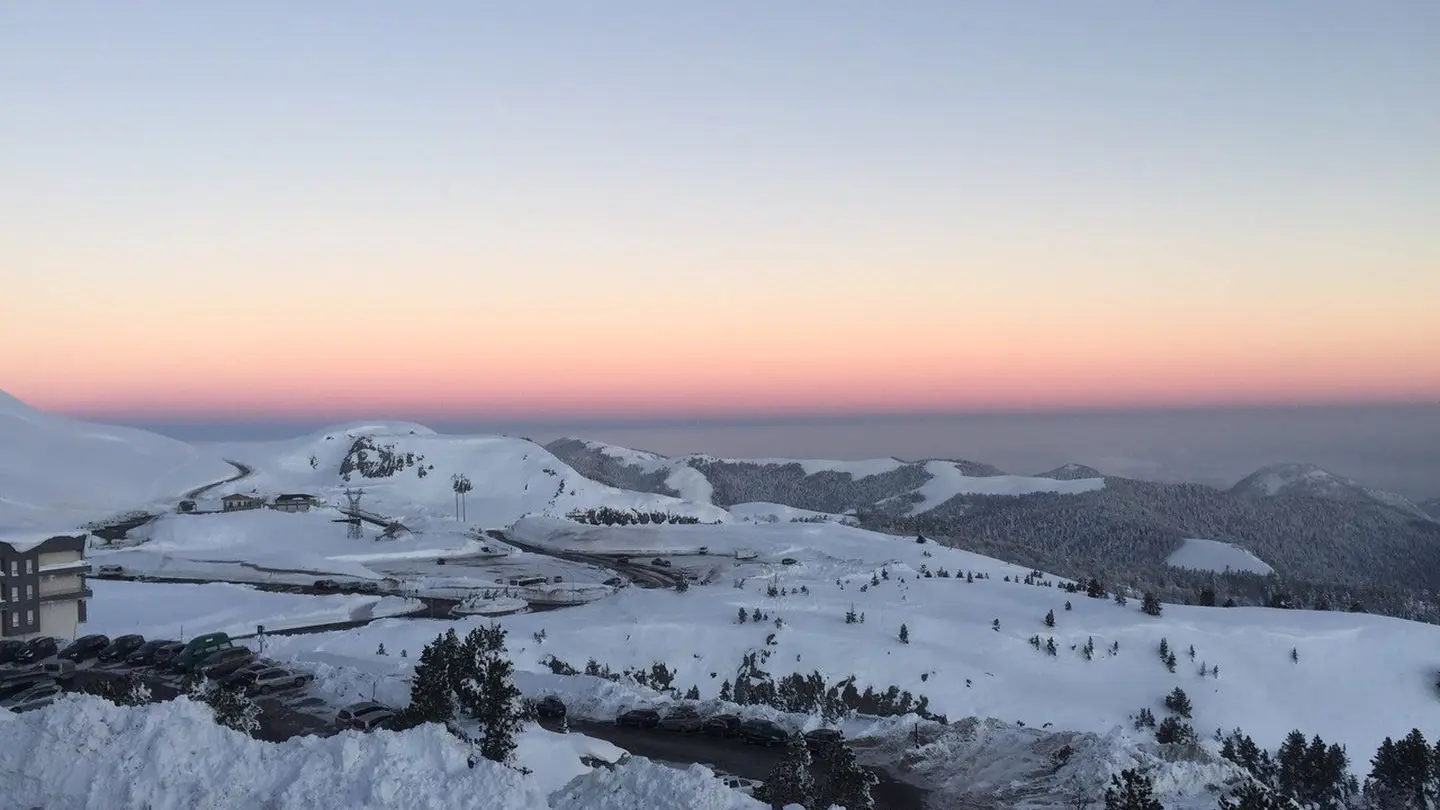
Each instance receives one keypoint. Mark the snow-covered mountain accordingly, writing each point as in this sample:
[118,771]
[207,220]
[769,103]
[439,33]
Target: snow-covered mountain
[407,469]
[1072,472]
[889,485]
[58,473]
[1310,481]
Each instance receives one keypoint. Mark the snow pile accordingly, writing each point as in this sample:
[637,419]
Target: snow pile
[85,752]
[642,783]
[510,477]
[58,473]
[1213,555]
[990,761]
[163,610]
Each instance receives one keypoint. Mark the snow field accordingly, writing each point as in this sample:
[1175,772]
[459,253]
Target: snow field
[1213,555]
[1357,681]
[85,752]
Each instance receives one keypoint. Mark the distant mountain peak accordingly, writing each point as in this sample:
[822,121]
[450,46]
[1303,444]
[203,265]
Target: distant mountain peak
[1072,472]
[1294,479]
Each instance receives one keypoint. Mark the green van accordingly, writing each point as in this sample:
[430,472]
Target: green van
[199,649]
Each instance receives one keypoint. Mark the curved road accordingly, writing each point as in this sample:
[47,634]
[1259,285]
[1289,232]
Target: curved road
[638,573]
[241,471]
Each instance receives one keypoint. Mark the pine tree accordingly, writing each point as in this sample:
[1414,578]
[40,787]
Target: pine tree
[845,783]
[851,617]
[693,693]
[1050,646]
[789,782]
[1131,790]
[743,615]
[1172,731]
[381,649]
[1295,655]
[1050,618]
[1164,649]
[432,694]
[1089,649]
[1120,599]
[487,692]
[1150,605]
[1253,796]
[1192,652]
[1178,702]
[904,634]
[1067,604]
[725,691]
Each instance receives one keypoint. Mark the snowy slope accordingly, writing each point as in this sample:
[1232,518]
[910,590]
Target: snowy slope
[1213,555]
[58,473]
[1359,678]
[1431,508]
[1310,481]
[406,471]
[818,485]
[84,752]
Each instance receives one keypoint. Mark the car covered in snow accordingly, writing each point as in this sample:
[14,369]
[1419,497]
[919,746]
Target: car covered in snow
[747,786]
[109,571]
[37,649]
[550,707]
[364,716]
[639,718]
[764,732]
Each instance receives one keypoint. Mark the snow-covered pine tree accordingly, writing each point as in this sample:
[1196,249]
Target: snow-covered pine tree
[432,692]
[487,691]
[845,783]
[232,707]
[904,634]
[1178,702]
[790,782]
[1131,790]
[1150,605]
[1050,618]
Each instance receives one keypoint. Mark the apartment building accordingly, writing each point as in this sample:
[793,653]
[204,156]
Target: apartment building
[42,586]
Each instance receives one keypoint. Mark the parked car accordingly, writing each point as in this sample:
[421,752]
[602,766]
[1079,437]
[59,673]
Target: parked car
[9,648]
[37,649]
[704,549]
[85,648]
[787,561]
[682,718]
[639,718]
[740,783]
[224,660]
[660,562]
[120,648]
[363,716]
[242,675]
[21,683]
[550,707]
[722,725]
[763,732]
[144,655]
[821,738]
[38,696]
[275,679]
[109,571]
[622,560]
[200,648]
[168,655]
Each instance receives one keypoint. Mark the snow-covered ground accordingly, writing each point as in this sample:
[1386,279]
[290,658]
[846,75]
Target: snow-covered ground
[1358,679]
[762,512]
[1213,555]
[164,610]
[58,473]
[84,752]
[511,477]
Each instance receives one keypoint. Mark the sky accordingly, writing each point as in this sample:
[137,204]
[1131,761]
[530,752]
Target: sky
[658,211]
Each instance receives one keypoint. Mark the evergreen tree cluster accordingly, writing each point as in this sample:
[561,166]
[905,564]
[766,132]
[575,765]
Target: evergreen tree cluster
[841,780]
[608,516]
[473,677]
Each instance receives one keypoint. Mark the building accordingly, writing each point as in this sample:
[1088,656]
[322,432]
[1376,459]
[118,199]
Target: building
[292,503]
[236,502]
[42,587]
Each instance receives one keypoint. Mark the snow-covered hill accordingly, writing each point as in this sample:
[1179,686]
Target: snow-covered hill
[1358,677]
[86,753]
[1072,472]
[57,473]
[406,472]
[829,486]
[1310,481]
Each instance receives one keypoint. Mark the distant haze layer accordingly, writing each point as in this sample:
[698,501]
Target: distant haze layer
[1389,447]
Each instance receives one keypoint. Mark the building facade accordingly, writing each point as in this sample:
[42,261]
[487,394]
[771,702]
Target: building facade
[292,503]
[42,587]
[238,502]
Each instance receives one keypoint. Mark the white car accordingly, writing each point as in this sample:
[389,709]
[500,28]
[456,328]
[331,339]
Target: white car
[109,571]
[35,697]
[740,783]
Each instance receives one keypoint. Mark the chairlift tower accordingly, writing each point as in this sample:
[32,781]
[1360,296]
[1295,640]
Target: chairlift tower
[353,496]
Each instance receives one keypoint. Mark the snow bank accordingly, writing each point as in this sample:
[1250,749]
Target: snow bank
[85,752]
[1213,555]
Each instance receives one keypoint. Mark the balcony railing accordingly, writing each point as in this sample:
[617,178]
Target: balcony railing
[74,594]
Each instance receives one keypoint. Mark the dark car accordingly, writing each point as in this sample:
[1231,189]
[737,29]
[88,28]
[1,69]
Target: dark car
[144,655]
[85,648]
[763,732]
[788,561]
[821,738]
[9,648]
[639,718]
[722,725]
[660,562]
[550,707]
[223,661]
[166,656]
[622,560]
[37,649]
[120,648]
[682,718]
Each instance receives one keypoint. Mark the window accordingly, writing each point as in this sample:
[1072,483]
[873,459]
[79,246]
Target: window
[15,619]
[14,568]
[29,617]
[29,592]
[33,565]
